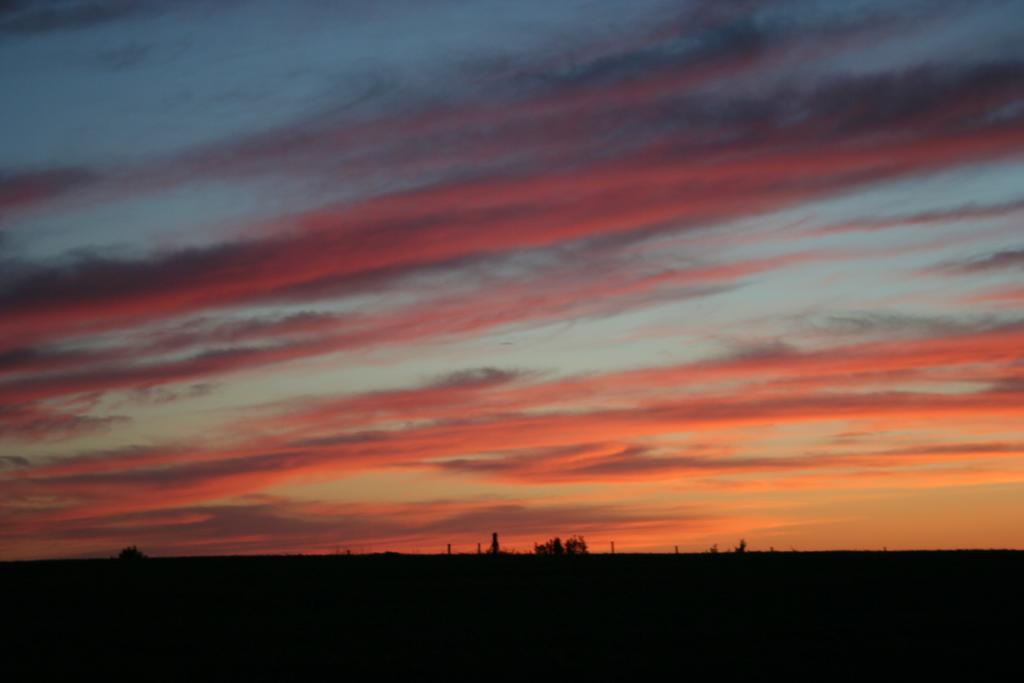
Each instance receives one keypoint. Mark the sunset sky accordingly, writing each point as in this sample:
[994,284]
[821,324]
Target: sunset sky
[313,276]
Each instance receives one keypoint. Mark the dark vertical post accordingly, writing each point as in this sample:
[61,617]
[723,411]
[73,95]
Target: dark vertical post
[677,550]
[494,544]
[449,548]
[477,548]
[613,547]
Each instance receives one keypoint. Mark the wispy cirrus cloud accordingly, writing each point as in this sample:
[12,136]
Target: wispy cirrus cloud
[1008,260]
[32,422]
[19,190]
[36,16]
[289,527]
[246,303]
[555,294]
[455,424]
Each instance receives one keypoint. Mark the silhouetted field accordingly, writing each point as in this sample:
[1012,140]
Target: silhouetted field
[829,616]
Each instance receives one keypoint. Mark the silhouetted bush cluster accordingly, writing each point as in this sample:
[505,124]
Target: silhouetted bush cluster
[131,553]
[741,548]
[574,545]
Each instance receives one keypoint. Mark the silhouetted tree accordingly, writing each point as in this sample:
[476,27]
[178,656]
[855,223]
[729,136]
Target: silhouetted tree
[742,547]
[495,548]
[575,545]
[131,553]
[552,547]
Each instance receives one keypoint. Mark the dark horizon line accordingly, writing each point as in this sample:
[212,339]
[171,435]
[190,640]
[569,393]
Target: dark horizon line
[392,553]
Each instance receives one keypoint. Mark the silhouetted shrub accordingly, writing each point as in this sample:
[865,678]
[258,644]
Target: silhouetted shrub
[575,545]
[742,547]
[131,553]
[552,547]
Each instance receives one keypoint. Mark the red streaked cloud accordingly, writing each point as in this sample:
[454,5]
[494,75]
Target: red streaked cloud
[213,475]
[266,524]
[464,422]
[1008,296]
[700,276]
[552,296]
[345,246]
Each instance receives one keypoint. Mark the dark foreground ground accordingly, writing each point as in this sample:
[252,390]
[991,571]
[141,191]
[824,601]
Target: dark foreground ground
[826,616]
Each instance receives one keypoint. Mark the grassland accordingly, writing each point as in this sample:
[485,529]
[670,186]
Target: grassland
[827,616]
